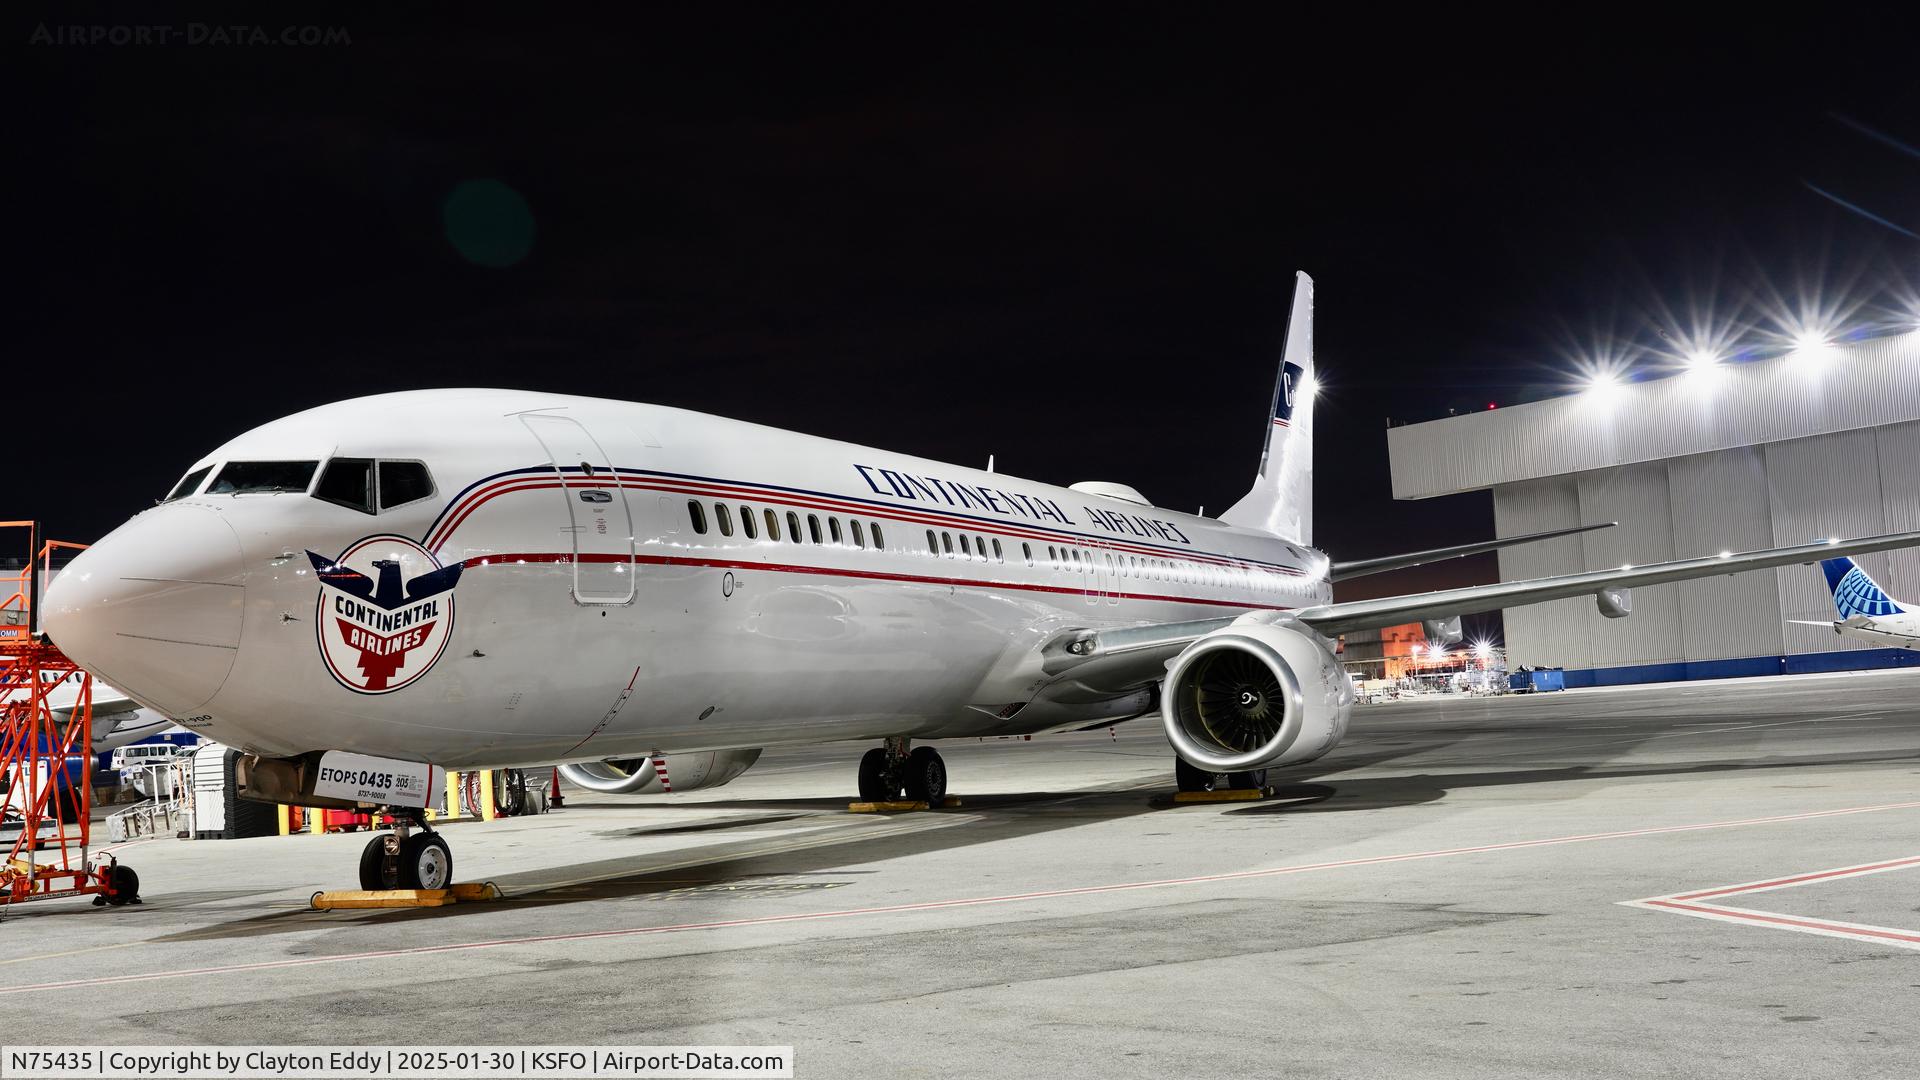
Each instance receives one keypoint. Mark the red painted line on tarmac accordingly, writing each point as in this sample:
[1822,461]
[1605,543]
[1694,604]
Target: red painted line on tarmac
[1799,879]
[1789,922]
[937,905]
[1692,904]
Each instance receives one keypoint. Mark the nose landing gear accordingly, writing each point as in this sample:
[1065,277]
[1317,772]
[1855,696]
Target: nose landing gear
[406,859]
[891,772]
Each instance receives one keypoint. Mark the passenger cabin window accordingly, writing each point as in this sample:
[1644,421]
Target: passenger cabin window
[401,482]
[933,545]
[348,482]
[879,541]
[965,552]
[980,545]
[946,544]
[833,530]
[997,556]
[859,537]
[746,523]
[698,515]
[793,526]
[1026,551]
[723,518]
[813,527]
[262,477]
[773,525]
[188,484]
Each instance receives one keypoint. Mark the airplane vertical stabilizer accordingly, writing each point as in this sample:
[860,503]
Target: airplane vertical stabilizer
[1854,593]
[1281,501]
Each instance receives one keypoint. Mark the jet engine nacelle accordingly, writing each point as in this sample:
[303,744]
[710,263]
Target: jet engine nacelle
[1263,691]
[686,772]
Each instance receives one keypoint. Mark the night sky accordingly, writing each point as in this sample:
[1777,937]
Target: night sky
[1065,238]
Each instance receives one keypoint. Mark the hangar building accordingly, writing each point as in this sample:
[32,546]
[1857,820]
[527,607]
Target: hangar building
[1816,442]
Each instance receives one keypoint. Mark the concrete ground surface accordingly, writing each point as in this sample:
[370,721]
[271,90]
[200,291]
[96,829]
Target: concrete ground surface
[1444,896]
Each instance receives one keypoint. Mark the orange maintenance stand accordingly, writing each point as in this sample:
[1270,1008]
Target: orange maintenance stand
[47,798]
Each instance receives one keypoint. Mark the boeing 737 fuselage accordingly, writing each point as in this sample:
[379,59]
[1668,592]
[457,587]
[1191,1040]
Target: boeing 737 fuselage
[359,593]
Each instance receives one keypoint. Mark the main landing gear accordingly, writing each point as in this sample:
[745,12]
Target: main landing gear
[412,856]
[1193,778]
[892,772]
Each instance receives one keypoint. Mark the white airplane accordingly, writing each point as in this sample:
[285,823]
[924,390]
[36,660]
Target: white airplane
[360,594]
[1866,611]
[117,719]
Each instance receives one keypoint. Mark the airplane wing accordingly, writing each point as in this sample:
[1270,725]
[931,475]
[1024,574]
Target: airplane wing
[110,702]
[1341,571]
[1118,660]
[1333,619]
[107,701]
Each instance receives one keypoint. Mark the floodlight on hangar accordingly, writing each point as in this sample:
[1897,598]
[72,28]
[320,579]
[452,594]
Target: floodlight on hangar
[1602,385]
[1702,369]
[1812,346]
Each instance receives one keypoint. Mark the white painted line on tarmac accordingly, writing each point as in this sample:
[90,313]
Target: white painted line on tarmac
[1698,904]
[933,905]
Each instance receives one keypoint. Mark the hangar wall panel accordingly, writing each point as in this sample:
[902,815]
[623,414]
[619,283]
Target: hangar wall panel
[1826,486]
[1636,497]
[1899,448]
[1552,634]
[1721,503]
[1863,385]
[1759,454]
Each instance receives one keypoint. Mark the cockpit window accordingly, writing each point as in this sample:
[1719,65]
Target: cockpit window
[402,482]
[188,484]
[261,477]
[349,482]
[363,483]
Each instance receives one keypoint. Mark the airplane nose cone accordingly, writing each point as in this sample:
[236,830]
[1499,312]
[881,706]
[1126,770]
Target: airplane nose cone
[155,608]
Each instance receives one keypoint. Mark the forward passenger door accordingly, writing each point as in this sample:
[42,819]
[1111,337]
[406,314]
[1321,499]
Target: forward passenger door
[598,521]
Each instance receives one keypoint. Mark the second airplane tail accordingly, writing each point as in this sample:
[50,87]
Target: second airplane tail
[1854,593]
[1281,501]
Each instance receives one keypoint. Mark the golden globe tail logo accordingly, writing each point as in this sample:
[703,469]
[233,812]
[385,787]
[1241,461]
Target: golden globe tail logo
[385,612]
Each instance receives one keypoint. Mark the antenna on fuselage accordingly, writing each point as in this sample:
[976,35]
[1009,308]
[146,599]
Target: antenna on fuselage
[989,462]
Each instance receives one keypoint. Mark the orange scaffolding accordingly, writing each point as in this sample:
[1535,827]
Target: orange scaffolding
[40,740]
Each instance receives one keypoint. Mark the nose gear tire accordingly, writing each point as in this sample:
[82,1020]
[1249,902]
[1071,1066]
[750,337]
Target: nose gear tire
[425,862]
[378,870]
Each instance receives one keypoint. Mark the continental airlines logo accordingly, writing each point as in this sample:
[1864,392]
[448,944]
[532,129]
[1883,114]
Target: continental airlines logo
[385,612]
